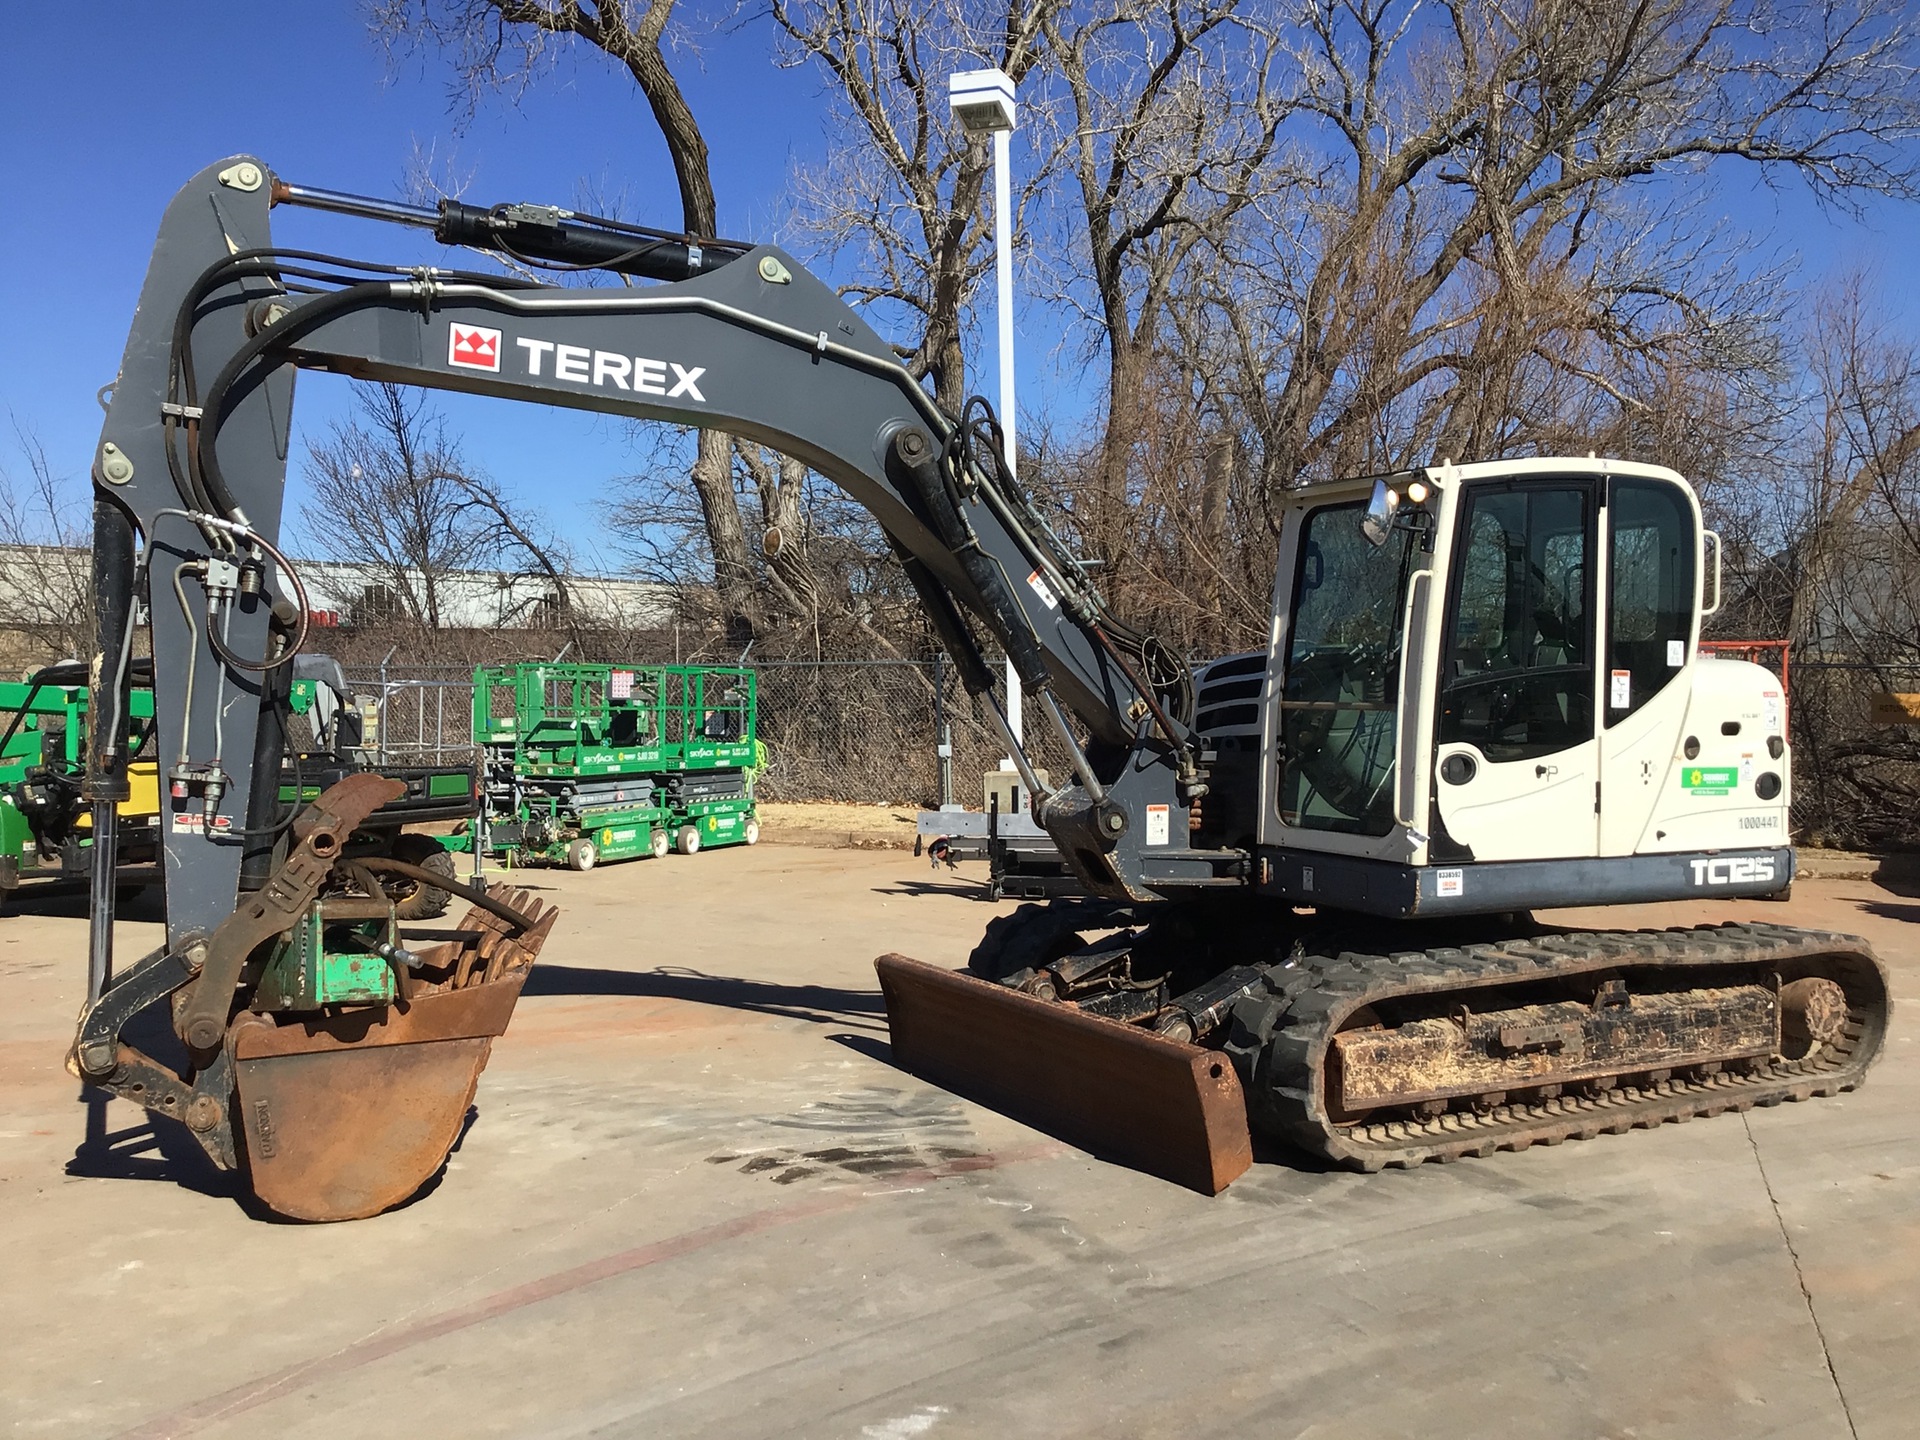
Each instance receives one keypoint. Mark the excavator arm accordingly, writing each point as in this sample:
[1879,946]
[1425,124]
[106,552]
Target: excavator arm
[278,947]
[745,341]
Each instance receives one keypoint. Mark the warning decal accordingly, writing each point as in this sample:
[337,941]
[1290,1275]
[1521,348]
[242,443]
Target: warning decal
[192,822]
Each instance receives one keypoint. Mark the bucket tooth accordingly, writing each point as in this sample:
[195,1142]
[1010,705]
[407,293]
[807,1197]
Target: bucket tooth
[1170,1109]
[349,1113]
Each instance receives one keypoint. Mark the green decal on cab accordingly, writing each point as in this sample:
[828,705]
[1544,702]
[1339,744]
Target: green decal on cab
[1709,779]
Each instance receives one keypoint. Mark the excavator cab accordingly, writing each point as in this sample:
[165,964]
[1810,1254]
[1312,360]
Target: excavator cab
[1485,695]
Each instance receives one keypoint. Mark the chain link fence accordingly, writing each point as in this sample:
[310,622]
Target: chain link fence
[878,732]
[426,712]
[900,732]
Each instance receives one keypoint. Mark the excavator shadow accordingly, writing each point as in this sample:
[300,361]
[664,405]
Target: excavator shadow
[1886,911]
[155,1148]
[967,889]
[870,1046]
[1900,873]
[68,900]
[818,1004]
[165,1150]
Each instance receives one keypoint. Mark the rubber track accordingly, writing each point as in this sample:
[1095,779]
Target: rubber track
[1279,1039]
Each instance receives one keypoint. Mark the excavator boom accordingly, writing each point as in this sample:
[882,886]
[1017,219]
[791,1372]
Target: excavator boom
[326,1058]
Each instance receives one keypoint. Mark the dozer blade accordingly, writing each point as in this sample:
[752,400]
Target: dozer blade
[1170,1109]
[350,1113]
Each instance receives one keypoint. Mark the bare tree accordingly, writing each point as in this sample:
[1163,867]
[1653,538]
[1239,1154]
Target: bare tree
[502,45]
[1824,536]
[824,558]
[392,495]
[898,202]
[1168,130]
[1823,549]
[1483,260]
[46,593]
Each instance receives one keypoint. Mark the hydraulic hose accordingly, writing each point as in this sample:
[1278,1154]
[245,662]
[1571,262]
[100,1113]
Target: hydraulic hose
[916,458]
[309,317]
[381,864]
[302,619]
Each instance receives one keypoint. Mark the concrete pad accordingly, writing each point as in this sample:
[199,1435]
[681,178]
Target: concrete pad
[698,1201]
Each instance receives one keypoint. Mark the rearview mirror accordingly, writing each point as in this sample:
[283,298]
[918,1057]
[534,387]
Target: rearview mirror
[1377,523]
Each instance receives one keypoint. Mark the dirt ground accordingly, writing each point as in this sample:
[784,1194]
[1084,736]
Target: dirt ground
[698,1200]
[843,827]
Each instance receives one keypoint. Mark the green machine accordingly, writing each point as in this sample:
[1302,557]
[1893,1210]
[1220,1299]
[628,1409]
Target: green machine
[342,728]
[46,828]
[586,763]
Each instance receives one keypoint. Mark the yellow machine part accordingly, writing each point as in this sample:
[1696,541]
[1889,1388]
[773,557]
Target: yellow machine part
[143,779]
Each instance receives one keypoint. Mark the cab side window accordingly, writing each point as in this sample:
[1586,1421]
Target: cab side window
[1650,584]
[1518,681]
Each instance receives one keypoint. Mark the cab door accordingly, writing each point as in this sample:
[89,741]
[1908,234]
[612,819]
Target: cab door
[1653,543]
[1517,755]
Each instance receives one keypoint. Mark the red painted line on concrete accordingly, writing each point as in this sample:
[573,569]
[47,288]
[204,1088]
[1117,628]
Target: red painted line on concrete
[265,1389]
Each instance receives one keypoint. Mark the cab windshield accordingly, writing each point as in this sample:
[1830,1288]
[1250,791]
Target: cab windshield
[1339,708]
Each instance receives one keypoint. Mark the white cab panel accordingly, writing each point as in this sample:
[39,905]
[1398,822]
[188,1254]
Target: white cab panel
[1540,809]
[1636,758]
[1717,799]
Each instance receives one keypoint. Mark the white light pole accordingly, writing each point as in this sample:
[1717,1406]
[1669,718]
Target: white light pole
[982,101]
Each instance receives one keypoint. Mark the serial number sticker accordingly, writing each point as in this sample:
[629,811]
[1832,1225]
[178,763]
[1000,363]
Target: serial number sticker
[1449,882]
[1043,590]
[1159,824]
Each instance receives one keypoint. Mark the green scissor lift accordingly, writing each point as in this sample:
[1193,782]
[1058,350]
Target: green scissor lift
[586,763]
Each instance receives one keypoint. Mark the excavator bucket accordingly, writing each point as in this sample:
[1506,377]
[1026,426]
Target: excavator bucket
[1158,1105]
[349,1113]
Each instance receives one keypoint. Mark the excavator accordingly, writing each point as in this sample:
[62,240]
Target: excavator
[1307,873]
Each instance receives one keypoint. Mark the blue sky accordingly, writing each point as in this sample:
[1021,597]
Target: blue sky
[102,124]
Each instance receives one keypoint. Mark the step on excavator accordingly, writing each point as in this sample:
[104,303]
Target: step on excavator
[1307,872]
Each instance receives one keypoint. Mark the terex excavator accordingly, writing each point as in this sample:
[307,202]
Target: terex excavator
[1482,695]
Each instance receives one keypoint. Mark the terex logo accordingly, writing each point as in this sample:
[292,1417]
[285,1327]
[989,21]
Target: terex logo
[473,347]
[1734,870]
[581,366]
